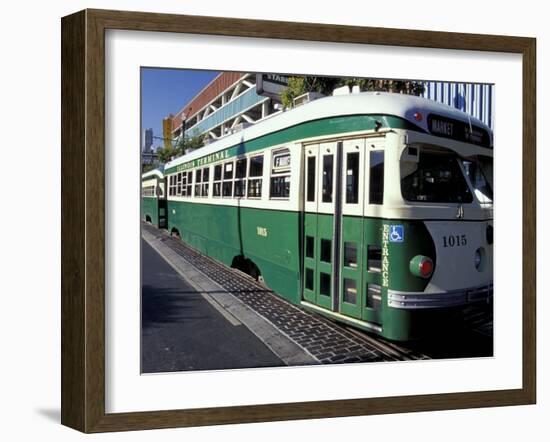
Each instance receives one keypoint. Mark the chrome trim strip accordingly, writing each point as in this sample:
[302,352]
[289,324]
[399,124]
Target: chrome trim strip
[337,226]
[453,298]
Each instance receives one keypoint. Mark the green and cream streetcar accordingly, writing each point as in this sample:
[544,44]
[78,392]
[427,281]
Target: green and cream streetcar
[153,198]
[374,209]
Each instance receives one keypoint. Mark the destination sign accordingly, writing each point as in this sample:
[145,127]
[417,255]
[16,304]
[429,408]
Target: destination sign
[458,130]
[282,161]
[203,161]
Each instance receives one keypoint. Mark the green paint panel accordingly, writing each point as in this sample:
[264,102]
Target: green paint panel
[397,324]
[417,241]
[402,324]
[269,238]
[150,209]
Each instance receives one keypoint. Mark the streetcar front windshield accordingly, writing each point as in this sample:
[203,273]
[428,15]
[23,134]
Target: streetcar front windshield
[435,176]
[479,171]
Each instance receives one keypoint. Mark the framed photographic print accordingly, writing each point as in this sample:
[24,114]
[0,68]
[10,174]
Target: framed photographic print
[267,221]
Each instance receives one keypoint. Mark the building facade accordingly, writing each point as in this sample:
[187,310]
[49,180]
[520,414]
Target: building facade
[147,140]
[474,99]
[228,103]
[167,131]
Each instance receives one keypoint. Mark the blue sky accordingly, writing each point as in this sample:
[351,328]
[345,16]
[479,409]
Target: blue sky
[165,91]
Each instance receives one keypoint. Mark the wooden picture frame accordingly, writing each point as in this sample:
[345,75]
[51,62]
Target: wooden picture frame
[83,220]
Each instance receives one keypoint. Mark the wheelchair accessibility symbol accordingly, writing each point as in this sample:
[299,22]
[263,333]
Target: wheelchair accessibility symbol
[397,234]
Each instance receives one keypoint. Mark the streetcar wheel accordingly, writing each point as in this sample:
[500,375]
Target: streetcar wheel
[253,270]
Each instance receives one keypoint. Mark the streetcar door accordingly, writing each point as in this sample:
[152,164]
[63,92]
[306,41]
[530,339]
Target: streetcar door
[351,228]
[161,198]
[373,251]
[318,238]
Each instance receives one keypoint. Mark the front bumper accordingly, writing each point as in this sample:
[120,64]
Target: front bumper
[453,298]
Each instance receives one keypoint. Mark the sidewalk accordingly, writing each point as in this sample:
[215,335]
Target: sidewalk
[234,310]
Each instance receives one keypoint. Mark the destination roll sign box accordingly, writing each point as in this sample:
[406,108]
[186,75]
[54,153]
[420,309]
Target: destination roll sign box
[458,130]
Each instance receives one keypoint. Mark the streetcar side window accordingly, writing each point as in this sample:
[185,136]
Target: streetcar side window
[326,249]
[255,173]
[227,187]
[328,161]
[280,187]
[184,184]
[240,169]
[205,181]
[240,175]
[280,175]
[374,258]
[350,254]
[148,191]
[310,179]
[310,247]
[374,296]
[350,291]
[324,284]
[198,180]
[352,178]
[171,185]
[189,183]
[178,190]
[217,180]
[309,279]
[376,182]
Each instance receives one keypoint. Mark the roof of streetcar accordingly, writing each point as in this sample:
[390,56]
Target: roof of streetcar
[364,103]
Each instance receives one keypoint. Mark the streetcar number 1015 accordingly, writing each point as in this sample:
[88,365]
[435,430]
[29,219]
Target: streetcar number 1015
[454,241]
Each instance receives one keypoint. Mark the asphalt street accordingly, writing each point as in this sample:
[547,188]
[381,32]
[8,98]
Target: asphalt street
[182,331]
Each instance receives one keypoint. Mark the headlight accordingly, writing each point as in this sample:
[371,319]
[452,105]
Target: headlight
[479,258]
[421,266]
